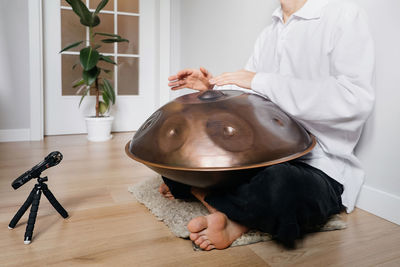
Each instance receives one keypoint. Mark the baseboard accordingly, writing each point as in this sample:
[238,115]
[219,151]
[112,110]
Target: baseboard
[13,135]
[380,203]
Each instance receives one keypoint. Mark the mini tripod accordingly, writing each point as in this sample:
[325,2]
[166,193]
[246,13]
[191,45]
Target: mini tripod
[34,199]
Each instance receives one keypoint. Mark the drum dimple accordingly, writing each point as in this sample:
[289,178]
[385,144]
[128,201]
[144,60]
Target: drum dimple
[148,124]
[173,133]
[230,132]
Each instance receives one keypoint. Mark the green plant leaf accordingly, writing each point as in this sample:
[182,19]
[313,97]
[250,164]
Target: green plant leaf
[106,71]
[71,46]
[106,92]
[116,40]
[102,107]
[82,11]
[90,76]
[83,96]
[109,89]
[96,47]
[89,58]
[107,59]
[81,82]
[100,6]
[79,90]
[107,34]
[106,98]
[87,18]
[95,20]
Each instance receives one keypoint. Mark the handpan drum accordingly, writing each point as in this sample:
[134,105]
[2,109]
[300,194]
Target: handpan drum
[217,137]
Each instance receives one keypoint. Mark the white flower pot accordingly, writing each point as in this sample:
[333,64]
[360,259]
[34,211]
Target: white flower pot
[99,129]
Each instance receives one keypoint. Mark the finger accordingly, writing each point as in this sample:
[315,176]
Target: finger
[173,78]
[178,83]
[174,81]
[184,73]
[180,74]
[177,87]
[204,71]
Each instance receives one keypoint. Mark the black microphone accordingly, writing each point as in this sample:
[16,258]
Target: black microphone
[49,161]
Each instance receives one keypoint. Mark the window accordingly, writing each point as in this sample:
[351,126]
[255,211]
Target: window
[119,17]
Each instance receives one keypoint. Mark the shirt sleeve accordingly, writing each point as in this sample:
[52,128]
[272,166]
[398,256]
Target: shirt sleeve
[341,101]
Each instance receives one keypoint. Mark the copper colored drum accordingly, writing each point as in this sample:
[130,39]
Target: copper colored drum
[215,137]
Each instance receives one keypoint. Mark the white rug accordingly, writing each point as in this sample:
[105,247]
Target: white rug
[176,214]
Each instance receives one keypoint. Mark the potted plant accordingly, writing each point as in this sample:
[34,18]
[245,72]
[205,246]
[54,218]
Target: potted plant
[98,126]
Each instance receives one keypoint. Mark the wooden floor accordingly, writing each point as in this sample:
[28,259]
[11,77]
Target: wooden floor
[107,227]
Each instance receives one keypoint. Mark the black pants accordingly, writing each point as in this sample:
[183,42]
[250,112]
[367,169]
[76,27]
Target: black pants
[285,200]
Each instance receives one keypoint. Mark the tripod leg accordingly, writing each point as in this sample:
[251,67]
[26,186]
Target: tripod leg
[22,210]
[53,201]
[32,215]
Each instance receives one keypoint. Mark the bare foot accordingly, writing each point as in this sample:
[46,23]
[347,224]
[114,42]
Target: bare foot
[165,192]
[214,231]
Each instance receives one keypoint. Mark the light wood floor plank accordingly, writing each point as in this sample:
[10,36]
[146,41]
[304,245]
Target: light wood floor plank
[108,227]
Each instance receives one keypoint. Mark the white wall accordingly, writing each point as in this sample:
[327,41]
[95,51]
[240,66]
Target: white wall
[216,34]
[14,67]
[379,147]
[219,35]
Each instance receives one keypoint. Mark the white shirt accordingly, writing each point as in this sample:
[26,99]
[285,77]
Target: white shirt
[318,67]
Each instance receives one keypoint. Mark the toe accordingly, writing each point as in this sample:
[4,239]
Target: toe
[168,195]
[200,240]
[193,236]
[162,188]
[205,244]
[197,224]
[209,247]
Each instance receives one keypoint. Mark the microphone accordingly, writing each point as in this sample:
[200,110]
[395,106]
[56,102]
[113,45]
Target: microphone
[49,161]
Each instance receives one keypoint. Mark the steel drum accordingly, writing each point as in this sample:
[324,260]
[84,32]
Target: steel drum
[217,138]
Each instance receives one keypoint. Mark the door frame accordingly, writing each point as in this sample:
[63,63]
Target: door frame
[36,62]
[36,70]
[164,51]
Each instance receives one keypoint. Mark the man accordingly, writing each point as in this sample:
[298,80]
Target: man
[316,62]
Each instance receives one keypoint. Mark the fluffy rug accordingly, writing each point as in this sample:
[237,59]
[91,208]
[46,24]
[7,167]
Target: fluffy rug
[177,213]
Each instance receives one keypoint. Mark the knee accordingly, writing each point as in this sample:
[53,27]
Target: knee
[278,185]
[278,177]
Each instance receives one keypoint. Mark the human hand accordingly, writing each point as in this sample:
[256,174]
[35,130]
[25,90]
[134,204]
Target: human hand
[241,78]
[192,79]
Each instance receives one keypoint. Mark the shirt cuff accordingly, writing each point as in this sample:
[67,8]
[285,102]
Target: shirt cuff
[261,83]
